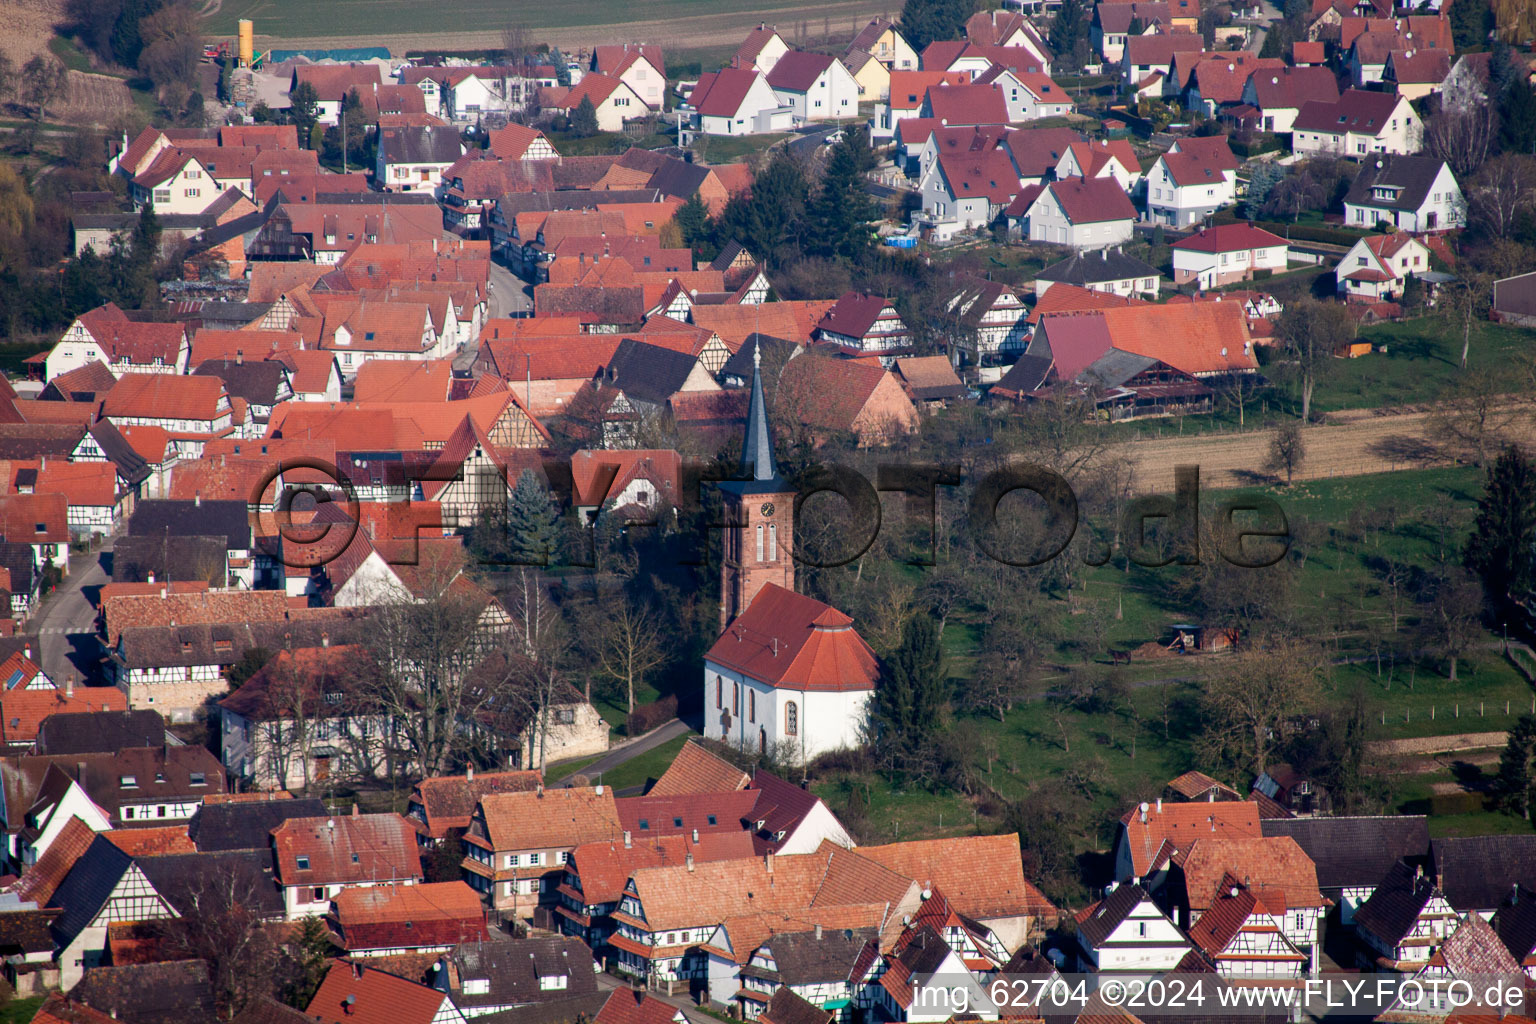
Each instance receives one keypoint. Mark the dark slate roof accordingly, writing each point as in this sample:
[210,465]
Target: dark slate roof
[925,953]
[266,1010]
[1115,367]
[1355,851]
[514,968]
[100,732]
[18,558]
[177,992]
[246,825]
[26,931]
[228,519]
[727,256]
[678,178]
[1478,872]
[1027,374]
[1413,175]
[226,643]
[184,879]
[257,381]
[228,314]
[130,464]
[85,889]
[1515,923]
[425,145]
[1111,912]
[785,1007]
[35,440]
[169,557]
[575,199]
[1085,268]
[648,372]
[776,352]
[1395,905]
[804,959]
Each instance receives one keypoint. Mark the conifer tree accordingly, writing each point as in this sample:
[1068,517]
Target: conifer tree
[532,522]
[1499,549]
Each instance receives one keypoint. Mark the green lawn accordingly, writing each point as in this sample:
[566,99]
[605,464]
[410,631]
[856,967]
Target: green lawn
[726,149]
[19,1011]
[1106,759]
[1423,360]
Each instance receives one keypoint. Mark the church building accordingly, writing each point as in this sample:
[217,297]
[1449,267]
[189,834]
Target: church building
[788,671]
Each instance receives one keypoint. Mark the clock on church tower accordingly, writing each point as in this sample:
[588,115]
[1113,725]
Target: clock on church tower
[759,509]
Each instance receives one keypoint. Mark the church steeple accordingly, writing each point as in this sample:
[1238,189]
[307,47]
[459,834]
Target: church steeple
[759,509]
[757,462]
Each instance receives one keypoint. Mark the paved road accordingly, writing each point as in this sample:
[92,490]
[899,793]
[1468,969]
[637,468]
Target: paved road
[650,741]
[66,625]
[509,294]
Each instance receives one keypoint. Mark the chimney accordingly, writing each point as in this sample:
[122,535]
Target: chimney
[357,970]
[688,860]
[1159,805]
[69,685]
[325,639]
[768,861]
[197,499]
[149,577]
[818,932]
[695,835]
[355,810]
[453,975]
[239,357]
[26,652]
[541,791]
[469,774]
[628,839]
[80,773]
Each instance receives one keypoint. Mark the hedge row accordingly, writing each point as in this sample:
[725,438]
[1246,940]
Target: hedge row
[648,716]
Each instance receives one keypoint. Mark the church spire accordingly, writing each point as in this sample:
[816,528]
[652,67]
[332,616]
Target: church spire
[757,447]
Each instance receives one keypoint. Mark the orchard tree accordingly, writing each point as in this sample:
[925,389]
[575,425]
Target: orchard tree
[42,82]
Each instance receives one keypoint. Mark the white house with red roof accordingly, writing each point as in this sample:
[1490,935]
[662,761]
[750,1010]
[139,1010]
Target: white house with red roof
[1377,268]
[638,65]
[788,674]
[1241,933]
[1106,158]
[1008,29]
[815,86]
[177,181]
[1359,123]
[969,189]
[1191,181]
[737,101]
[1083,213]
[866,324]
[761,49]
[1225,253]
[1029,95]
[1280,95]
[614,101]
[106,335]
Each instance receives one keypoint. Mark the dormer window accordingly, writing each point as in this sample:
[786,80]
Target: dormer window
[301,862]
[199,779]
[477,986]
[677,822]
[645,824]
[712,820]
[159,778]
[41,527]
[128,781]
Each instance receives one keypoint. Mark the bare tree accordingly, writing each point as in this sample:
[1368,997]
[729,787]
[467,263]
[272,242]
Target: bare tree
[1473,417]
[1287,449]
[1501,192]
[220,922]
[1249,700]
[1462,136]
[427,650]
[516,41]
[1312,332]
[1239,389]
[42,82]
[1466,302]
[631,646]
[537,652]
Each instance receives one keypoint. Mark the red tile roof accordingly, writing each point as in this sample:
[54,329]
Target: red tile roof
[790,640]
[1229,238]
[355,994]
[629,1006]
[165,396]
[346,848]
[968,104]
[696,770]
[448,800]
[37,885]
[84,484]
[1181,824]
[910,88]
[511,142]
[1290,88]
[982,876]
[1275,868]
[22,711]
[720,93]
[1091,200]
[989,174]
[400,917]
[797,70]
[152,842]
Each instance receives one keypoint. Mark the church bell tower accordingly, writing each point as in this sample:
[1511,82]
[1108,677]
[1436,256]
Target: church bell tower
[759,513]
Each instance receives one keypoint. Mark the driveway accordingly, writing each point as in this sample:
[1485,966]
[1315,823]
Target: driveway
[66,624]
[634,748]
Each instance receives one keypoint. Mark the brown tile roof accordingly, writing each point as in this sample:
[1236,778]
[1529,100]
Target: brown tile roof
[448,801]
[37,885]
[201,607]
[60,1009]
[551,818]
[82,483]
[152,842]
[1193,784]
[604,868]
[792,321]
[1179,824]
[696,770]
[346,848]
[1272,867]
[399,917]
[34,518]
[1092,200]
[630,1006]
[85,383]
[22,711]
[983,876]
[797,71]
[1209,337]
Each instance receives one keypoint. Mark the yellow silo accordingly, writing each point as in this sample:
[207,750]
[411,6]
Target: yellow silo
[247,42]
